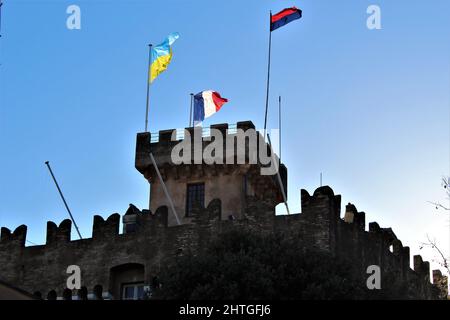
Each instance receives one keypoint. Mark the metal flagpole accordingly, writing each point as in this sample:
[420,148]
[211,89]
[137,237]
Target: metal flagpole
[1,4]
[64,200]
[279,124]
[268,76]
[149,196]
[149,72]
[165,189]
[190,112]
[283,193]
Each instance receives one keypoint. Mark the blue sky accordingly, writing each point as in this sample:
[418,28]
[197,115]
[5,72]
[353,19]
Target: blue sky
[368,108]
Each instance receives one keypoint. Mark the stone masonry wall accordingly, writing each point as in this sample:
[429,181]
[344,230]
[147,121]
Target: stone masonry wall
[43,268]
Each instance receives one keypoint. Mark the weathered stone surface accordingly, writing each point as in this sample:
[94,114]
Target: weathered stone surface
[144,252]
[236,196]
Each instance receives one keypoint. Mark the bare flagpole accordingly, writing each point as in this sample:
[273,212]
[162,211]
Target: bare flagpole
[1,4]
[280,182]
[63,199]
[279,124]
[190,112]
[166,192]
[149,72]
[268,75]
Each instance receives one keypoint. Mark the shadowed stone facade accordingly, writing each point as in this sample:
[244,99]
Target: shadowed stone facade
[109,259]
[116,265]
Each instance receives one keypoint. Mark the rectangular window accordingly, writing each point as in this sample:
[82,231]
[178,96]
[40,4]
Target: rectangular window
[130,227]
[195,195]
[133,291]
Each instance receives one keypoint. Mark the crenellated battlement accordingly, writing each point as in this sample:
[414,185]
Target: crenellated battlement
[103,228]
[59,233]
[18,237]
[200,140]
[149,240]
[422,267]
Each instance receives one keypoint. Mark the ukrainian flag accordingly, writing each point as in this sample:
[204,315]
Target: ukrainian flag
[161,56]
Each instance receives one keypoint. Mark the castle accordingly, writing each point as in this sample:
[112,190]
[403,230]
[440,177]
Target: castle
[189,206]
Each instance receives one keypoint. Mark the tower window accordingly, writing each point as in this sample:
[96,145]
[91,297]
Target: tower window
[195,196]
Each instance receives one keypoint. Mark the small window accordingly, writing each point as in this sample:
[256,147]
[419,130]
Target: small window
[133,291]
[130,227]
[98,292]
[195,195]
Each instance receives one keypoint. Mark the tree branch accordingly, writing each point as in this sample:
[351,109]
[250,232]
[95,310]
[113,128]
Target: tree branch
[433,245]
[438,205]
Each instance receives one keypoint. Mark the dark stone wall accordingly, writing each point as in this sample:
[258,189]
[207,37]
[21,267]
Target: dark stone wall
[43,268]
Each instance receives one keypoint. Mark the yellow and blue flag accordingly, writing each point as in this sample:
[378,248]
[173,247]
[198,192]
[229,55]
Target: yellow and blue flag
[161,56]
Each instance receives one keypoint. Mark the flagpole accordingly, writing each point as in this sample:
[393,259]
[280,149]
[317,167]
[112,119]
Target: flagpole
[268,76]
[1,4]
[190,112]
[62,197]
[280,182]
[149,72]
[279,124]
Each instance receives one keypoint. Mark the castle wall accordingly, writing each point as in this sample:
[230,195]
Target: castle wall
[319,227]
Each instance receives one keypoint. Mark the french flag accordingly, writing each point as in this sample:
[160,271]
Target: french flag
[206,103]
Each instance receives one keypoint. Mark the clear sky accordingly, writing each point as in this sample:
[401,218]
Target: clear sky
[368,108]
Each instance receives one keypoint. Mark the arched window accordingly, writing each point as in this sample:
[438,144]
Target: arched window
[127,281]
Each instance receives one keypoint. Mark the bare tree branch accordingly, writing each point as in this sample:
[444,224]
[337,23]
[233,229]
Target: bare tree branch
[438,205]
[443,261]
[446,185]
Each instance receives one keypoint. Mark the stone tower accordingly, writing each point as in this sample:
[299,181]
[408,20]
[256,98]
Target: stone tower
[197,182]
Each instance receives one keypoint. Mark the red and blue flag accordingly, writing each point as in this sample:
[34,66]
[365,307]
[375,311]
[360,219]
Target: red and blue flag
[284,17]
